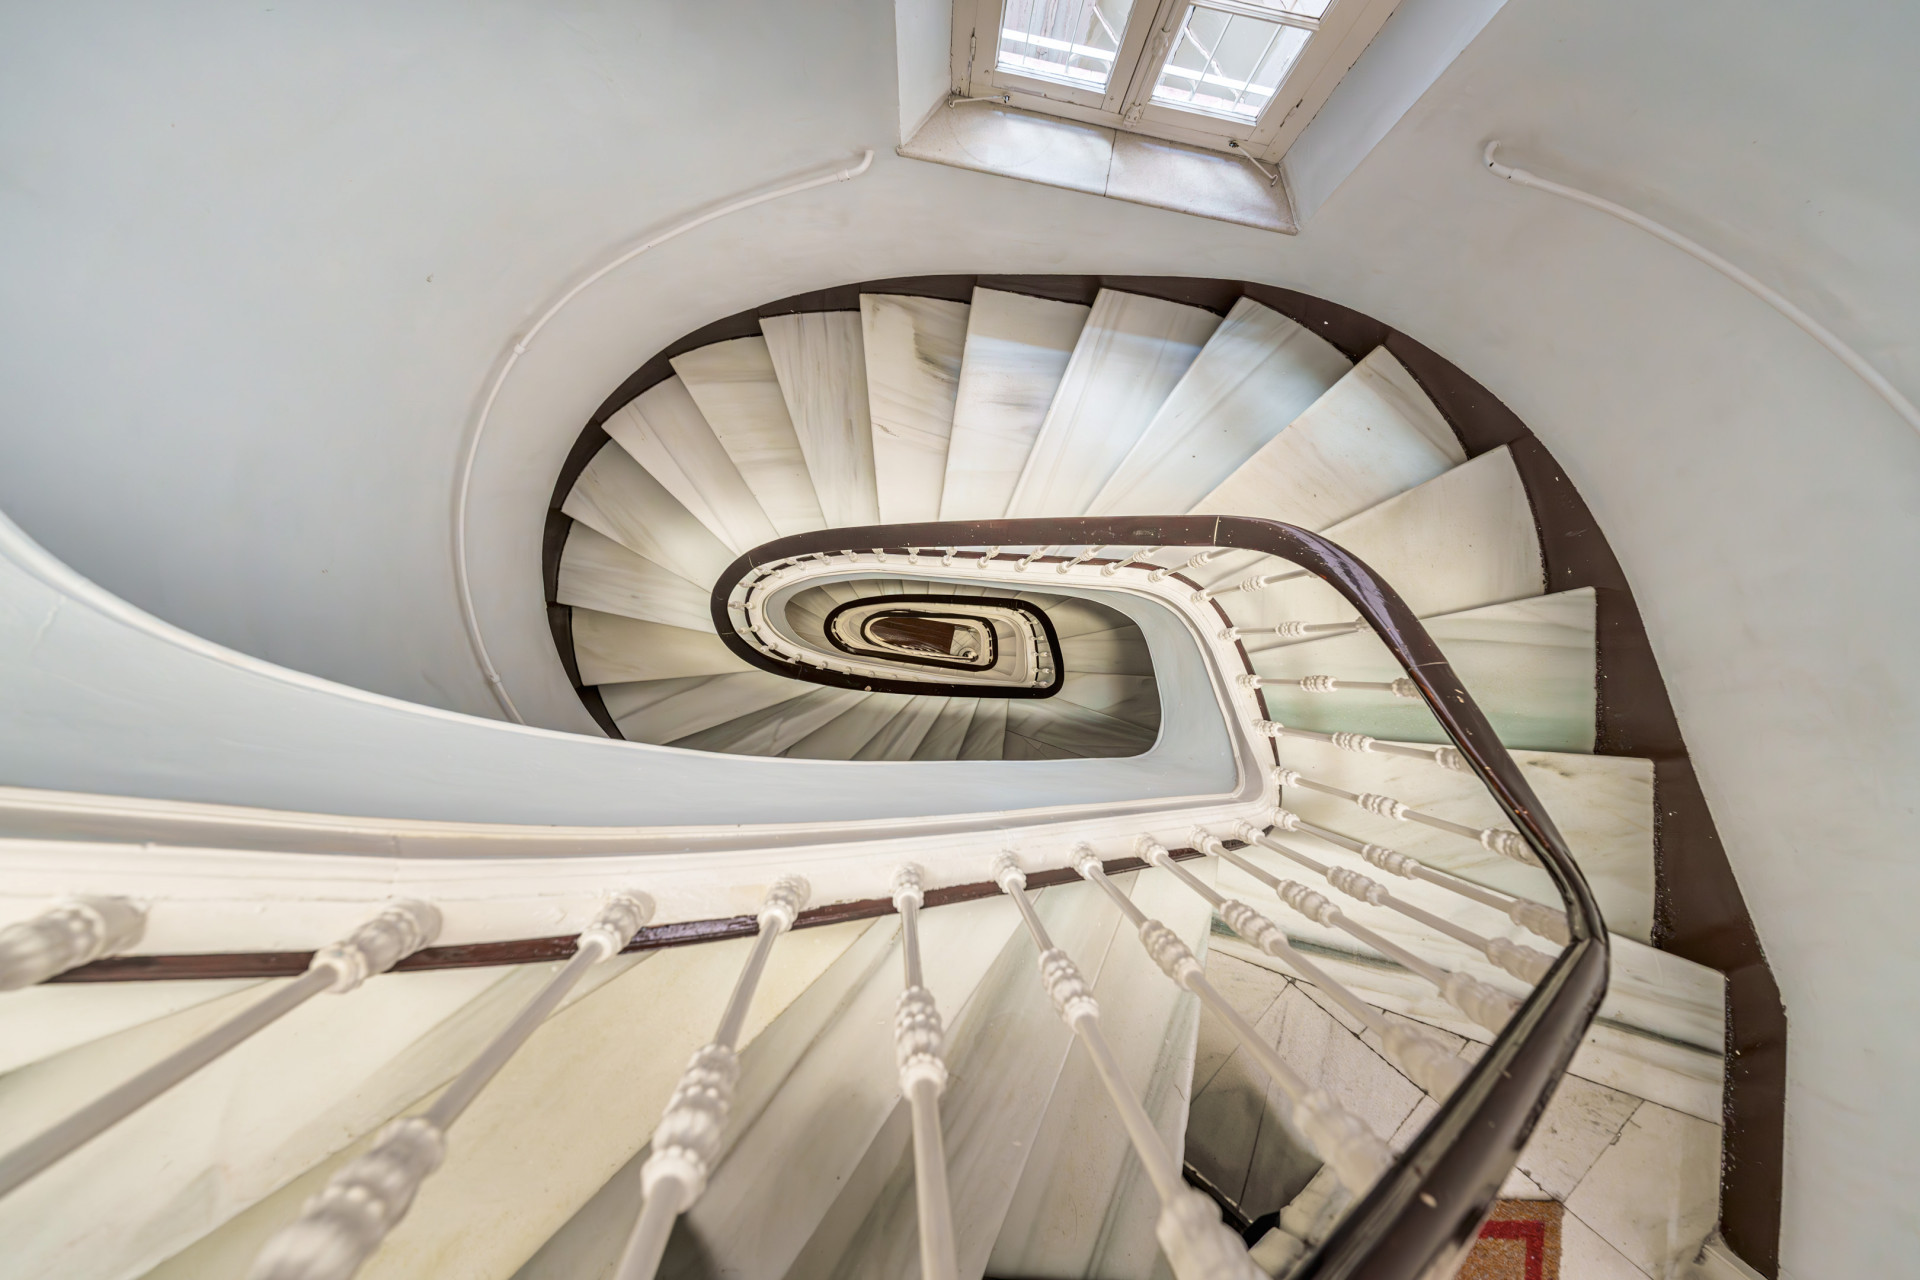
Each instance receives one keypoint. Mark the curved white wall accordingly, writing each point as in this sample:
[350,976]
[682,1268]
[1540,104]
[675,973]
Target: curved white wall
[260,264]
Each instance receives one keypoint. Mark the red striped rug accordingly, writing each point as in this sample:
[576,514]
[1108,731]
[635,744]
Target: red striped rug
[1521,1241]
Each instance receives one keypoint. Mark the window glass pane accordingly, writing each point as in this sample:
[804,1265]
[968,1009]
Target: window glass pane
[1072,41]
[1228,64]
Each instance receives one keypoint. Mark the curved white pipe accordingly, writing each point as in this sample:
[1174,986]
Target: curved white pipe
[1814,329]
[464,484]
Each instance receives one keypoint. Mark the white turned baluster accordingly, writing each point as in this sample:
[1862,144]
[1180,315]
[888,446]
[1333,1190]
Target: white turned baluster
[687,1139]
[1486,1006]
[1420,1057]
[1023,565]
[1204,557]
[1543,921]
[1080,559]
[65,936]
[1107,571]
[1401,688]
[919,1041]
[1359,743]
[1260,583]
[946,557]
[338,1229]
[1293,630]
[1508,844]
[1197,1244]
[1340,1140]
[400,929]
[987,557]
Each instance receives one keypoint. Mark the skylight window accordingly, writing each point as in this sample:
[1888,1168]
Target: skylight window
[1074,43]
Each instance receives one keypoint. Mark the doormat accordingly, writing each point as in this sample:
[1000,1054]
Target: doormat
[1520,1241]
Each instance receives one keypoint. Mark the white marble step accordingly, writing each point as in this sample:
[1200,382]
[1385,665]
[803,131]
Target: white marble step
[1056,729]
[770,731]
[987,731]
[1128,359]
[1602,805]
[1016,352]
[1529,664]
[739,395]
[1258,372]
[854,728]
[822,367]
[39,1022]
[612,649]
[914,347]
[949,732]
[1084,1205]
[1133,700]
[904,733]
[666,434]
[1119,652]
[1374,434]
[661,711]
[1463,539]
[617,497]
[1073,617]
[598,573]
[1006,1048]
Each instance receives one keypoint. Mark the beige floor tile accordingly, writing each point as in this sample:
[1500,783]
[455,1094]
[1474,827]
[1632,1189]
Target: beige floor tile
[1655,1193]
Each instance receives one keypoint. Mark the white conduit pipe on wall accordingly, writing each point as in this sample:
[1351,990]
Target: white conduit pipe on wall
[1814,329]
[464,484]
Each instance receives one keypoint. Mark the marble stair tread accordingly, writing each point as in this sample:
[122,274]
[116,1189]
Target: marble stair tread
[1602,806]
[949,731]
[1073,617]
[1076,730]
[659,711]
[1258,372]
[1129,357]
[41,1021]
[842,737]
[1084,1205]
[987,731]
[770,731]
[1464,539]
[664,431]
[612,649]
[914,347]
[1017,746]
[1016,353]
[1529,664]
[904,733]
[1133,700]
[1118,652]
[598,573]
[1006,1048]
[739,395]
[821,364]
[1372,435]
[617,497]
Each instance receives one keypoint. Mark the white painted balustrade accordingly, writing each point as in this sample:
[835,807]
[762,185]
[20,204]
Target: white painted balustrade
[1026,562]
[1521,961]
[1330,1132]
[65,936]
[920,1041]
[1507,844]
[1080,559]
[1205,557]
[687,1139]
[1107,571]
[1197,1244]
[1400,688]
[339,1228]
[1360,744]
[1485,1005]
[1420,1057]
[396,932]
[986,557]
[1536,918]
[1259,583]
[1293,630]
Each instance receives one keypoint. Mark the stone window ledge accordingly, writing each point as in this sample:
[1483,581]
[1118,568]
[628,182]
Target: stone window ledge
[992,138]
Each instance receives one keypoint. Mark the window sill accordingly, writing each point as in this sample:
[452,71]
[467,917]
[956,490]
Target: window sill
[1103,162]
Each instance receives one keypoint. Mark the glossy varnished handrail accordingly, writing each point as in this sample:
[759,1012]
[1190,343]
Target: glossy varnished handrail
[1417,1221]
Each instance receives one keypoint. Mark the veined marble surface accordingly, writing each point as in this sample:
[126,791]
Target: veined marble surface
[949,731]
[914,347]
[770,731]
[1016,352]
[1529,664]
[667,435]
[667,710]
[1075,730]
[1128,359]
[1372,435]
[1602,805]
[616,496]
[903,734]
[986,732]
[1464,539]
[598,573]
[841,739]
[612,649]
[1084,1205]
[739,395]
[1257,373]
[821,363]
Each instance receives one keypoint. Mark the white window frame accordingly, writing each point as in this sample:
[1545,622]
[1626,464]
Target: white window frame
[1340,36]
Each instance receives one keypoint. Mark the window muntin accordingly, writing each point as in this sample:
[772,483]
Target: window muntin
[1227,64]
[1074,42]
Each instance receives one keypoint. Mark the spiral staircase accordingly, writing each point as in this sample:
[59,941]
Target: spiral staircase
[1290,694]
